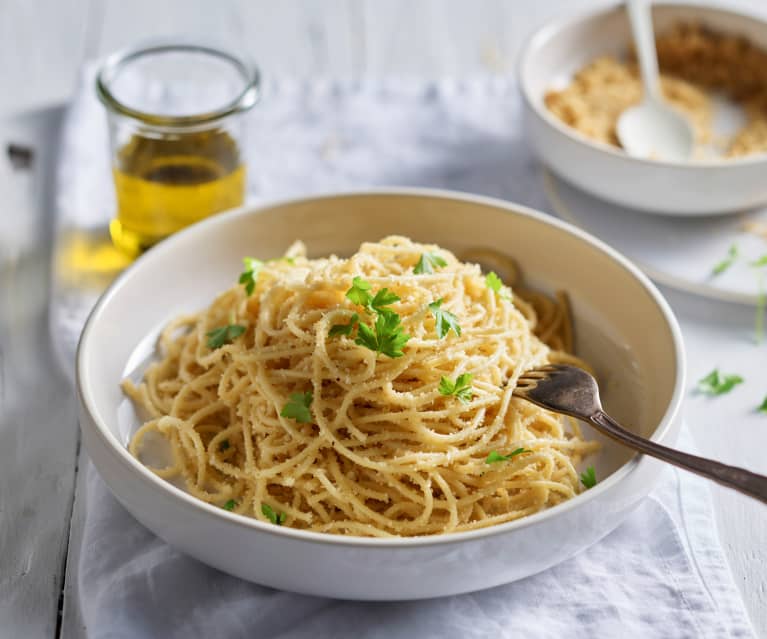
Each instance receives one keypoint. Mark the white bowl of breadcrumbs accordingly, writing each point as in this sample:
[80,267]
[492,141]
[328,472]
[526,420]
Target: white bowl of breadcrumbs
[578,74]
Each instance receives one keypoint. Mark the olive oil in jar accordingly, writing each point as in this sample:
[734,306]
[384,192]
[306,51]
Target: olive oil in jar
[164,184]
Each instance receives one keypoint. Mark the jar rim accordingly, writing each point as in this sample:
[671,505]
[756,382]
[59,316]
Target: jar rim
[242,102]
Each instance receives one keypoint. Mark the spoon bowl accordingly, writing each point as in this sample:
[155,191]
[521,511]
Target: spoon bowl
[703,185]
[653,130]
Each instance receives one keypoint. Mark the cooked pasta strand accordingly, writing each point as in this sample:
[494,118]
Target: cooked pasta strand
[386,453]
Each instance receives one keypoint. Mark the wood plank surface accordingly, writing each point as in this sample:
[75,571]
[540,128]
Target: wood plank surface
[728,428]
[42,46]
[38,426]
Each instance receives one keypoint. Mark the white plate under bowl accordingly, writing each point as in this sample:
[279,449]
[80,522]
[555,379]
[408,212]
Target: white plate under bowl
[677,252]
[556,51]
[636,349]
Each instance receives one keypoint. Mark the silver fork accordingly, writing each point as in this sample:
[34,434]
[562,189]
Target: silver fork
[572,391]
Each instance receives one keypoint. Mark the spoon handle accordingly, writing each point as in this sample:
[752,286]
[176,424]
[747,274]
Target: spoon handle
[644,42]
[740,479]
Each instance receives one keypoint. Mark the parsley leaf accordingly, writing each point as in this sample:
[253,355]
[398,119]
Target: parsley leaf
[445,320]
[385,337]
[428,262]
[366,337]
[298,407]
[762,261]
[230,505]
[253,267]
[495,457]
[359,293]
[382,298]
[224,335]
[715,384]
[344,329]
[727,262]
[461,387]
[249,276]
[224,445]
[495,284]
[272,515]
[763,406]
[589,477]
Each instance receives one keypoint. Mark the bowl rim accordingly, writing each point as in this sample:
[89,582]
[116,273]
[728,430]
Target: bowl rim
[548,31]
[564,211]
[122,455]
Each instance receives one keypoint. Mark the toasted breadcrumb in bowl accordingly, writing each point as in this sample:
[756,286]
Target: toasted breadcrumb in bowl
[578,74]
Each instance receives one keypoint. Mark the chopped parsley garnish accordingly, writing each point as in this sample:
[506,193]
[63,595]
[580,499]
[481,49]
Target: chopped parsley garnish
[249,276]
[344,329]
[230,505]
[727,262]
[494,457]
[298,407]
[253,267]
[385,337]
[461,387]
[762,261]
[715,384]
[445,320]
[359,293]
[589,477]
[428,262]
[382,298]
[224,335]
[495,284]
[763,406]
[272,515]
[224,445]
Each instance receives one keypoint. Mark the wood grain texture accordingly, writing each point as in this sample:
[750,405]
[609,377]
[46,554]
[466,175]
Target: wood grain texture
[38,427]
[729,428]
[42,45]
[297,38]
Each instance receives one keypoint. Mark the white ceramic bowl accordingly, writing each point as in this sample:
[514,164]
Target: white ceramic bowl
[556,51]
[624,327]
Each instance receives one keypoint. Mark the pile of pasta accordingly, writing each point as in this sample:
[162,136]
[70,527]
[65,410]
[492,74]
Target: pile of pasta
[294,418]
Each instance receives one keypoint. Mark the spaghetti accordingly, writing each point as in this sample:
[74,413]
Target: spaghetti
[384,450]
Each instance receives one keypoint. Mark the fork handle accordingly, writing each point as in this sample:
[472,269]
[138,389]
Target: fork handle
[740,479]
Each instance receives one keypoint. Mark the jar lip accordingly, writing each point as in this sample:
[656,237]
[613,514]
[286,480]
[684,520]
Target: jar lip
[242,102]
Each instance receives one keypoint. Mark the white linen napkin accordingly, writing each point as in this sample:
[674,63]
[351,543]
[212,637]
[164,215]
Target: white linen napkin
[660,574]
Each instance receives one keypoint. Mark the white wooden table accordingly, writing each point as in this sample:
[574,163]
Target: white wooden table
[42,45]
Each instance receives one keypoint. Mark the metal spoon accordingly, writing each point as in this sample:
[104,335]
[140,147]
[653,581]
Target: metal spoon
[572,391]
[652,129]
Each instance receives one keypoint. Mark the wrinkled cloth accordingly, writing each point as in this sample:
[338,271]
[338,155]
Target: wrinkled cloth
[662,573]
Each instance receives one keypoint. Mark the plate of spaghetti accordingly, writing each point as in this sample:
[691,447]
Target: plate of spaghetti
[333,414]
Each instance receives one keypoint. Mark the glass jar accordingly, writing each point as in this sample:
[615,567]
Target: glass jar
[176,129]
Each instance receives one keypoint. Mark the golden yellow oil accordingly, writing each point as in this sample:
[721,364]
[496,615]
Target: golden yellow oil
[164,184]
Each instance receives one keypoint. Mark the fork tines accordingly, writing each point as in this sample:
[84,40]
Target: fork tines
[529,379]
